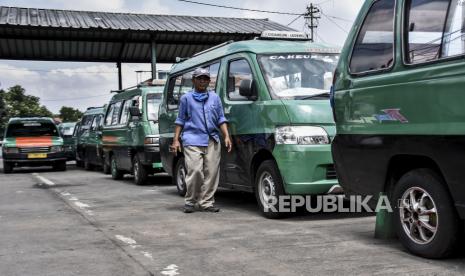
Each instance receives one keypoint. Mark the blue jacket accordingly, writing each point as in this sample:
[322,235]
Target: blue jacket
[200,120]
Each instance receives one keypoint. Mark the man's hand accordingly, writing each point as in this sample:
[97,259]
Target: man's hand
[175,147]
[228,143]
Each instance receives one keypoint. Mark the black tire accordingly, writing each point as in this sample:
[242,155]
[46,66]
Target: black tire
[79,164]
[269,184]
[60,166]
[179,176]
[412,232]
[140,172]
[116,174]
[7,167]
[106,168]
[87,165]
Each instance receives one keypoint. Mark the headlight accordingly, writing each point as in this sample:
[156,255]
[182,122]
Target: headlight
[56,148]
[152,140]
[10,150]
[301,135]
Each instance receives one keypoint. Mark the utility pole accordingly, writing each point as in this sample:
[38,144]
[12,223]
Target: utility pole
[311,19]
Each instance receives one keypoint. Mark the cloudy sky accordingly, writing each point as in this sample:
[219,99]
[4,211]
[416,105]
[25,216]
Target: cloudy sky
[77,85]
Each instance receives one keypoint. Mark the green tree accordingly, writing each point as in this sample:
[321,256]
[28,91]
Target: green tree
[69,114]
[3,114]
[17,104]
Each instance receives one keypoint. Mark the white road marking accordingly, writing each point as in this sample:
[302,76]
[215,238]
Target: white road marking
[133,244]
[81,205]
[44,180]
[147,254]
[126,240]
[19,192]
[170,270]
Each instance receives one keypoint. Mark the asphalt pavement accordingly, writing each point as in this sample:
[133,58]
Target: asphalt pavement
[84,223]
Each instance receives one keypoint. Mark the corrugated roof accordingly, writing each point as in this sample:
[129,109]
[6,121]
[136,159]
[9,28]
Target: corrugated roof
[46,34]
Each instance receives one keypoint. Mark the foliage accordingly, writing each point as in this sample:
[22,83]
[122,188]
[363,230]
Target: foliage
[69,114]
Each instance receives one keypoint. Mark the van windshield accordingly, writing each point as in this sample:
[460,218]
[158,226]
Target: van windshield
[153,103]
[31,129]
[299,76]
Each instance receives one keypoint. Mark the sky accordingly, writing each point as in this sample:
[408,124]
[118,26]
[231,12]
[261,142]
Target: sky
[77,85]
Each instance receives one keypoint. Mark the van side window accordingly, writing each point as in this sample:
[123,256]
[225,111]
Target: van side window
[109,114]
[213,69]
[427,27]
[187,84]
[374,47]
[125,112]
[86,121]
[238,71]
[94,123]
[172,96]
[116,113]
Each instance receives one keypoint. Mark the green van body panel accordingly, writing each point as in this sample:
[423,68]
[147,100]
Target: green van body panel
[69,141]
[429,97]
[127,140]
[252,123]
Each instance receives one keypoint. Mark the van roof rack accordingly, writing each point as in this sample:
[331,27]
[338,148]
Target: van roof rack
[93,107]
[213,48]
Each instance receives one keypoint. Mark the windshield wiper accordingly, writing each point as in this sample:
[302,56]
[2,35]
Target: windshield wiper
[315,96]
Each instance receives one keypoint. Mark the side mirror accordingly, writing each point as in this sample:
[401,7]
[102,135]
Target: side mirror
[134,111]
[247,89]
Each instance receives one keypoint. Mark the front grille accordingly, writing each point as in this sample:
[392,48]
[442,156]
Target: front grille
[331,172]
[34,150]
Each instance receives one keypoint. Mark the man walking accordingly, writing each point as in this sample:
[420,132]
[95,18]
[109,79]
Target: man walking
[200,119]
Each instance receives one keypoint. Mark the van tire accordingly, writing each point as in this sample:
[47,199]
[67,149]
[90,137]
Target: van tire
[7,167]
[179,176]
[426,184]
[60,166]
[268,182]
[106,168]
[87,165]
[139,171]
[116,174]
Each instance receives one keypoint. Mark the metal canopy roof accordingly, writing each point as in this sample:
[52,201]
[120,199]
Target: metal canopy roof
[61,35]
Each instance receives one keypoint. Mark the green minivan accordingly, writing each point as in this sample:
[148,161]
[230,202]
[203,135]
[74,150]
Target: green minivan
[32,142]
[130,132]
[89,152]
[275,95]
[398,100]
[69,141]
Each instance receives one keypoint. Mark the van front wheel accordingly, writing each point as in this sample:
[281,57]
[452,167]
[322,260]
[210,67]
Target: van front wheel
[139,171]
[426,220]
[179,176]
[115,173]
[268,189]
[7,167]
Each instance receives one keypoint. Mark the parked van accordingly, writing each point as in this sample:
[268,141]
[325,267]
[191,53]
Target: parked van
[398,106]
[275,94]
[89,151]
[33,141]
[66,131]
[130,132]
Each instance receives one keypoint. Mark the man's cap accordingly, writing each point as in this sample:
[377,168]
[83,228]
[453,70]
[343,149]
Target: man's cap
[200,72]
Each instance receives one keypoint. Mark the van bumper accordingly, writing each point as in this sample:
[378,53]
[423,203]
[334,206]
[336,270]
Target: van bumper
[21,159]
[151,157]
[306,169]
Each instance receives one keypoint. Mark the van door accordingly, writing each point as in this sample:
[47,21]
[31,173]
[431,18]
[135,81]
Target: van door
[245,122]
[128,127]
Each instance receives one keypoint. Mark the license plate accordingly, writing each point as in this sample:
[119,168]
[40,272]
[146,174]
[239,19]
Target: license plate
[37,155]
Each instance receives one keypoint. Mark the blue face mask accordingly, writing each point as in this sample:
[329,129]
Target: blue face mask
[200,97]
